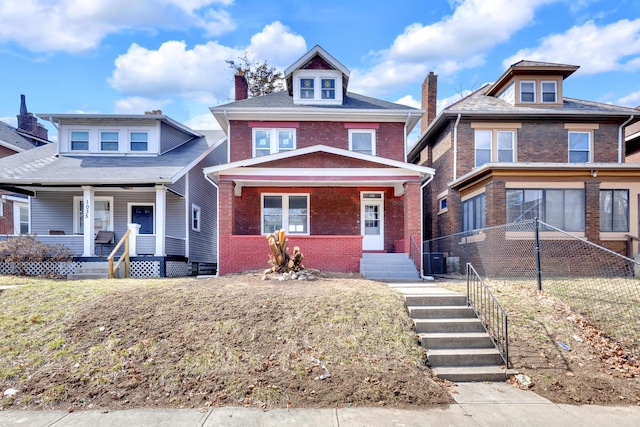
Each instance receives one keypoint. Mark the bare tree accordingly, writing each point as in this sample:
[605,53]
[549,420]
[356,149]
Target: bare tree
[261,77]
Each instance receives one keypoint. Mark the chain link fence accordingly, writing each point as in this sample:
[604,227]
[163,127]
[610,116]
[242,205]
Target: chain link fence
[596,282]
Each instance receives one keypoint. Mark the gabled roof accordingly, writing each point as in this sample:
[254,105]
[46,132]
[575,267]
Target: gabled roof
[14,139]
[43,166]
[257,171]
[317,51]
[530,68]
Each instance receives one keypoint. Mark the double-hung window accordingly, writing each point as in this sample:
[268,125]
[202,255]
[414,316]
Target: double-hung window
[307,88]
[362,141]
[579,147]
[79,140]
[528,91]
[549,91]
[139,141]
[474,213]
[108,141]
[614,210]
[288,211]
[486,150]
[195,218]
[269,141]
[328,88]
[561,208]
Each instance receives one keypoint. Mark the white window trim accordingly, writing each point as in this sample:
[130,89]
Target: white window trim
[100,132]
[76,211]
[129,150]
[196,209]
[494,143]
[317,76]
[273,139]
[285,212]
[2,207]
[588,132]
[373,139]
[16,217]
[555,91]
[71,132]
[129,216]
[534,91]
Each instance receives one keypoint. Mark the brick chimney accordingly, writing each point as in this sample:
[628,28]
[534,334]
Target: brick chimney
[28,123]
[429,98]
[242,87]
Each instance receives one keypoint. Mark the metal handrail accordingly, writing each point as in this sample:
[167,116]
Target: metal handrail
[124,256]
[489,311]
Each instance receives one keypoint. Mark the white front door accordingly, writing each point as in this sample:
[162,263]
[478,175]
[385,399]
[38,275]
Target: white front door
[20,218]
[372,220]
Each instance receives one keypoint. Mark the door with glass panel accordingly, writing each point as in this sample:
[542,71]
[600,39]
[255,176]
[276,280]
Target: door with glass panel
[372,220]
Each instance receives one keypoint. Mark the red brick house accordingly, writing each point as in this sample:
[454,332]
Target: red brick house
[520,148]
[327,165]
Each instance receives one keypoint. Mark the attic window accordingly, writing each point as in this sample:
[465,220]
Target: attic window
[80,140]
[527,91]
[306,89]
[328,88]
[549,91]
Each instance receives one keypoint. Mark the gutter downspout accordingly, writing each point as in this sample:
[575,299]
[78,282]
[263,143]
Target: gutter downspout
[424,184]
[228,138]
[455,147]
[620,138]
[405,136]
[217,223]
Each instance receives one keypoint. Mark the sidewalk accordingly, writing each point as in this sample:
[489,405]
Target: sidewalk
[477,404]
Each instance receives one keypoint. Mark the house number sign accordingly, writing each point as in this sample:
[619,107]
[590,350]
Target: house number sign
[86,209]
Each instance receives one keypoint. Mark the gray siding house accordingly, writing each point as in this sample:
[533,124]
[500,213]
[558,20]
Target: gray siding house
[137,172]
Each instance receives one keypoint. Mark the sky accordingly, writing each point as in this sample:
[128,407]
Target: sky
[132,56]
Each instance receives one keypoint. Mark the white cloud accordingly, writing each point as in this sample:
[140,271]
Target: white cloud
[201,73]
[203,122]
[409,101]
[138,105]
[80,25]
[596,49]
[457,41]
[12,121]
[631,100]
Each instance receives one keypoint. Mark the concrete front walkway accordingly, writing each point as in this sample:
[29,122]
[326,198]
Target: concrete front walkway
[477,404]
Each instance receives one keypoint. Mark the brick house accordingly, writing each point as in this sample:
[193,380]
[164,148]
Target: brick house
[14,208]
[519,148]
[327,165]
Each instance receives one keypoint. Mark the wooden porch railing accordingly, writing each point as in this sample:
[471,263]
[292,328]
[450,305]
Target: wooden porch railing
[124,256]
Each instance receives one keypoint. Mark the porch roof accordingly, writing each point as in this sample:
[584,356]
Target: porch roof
[256,172]
[43,166]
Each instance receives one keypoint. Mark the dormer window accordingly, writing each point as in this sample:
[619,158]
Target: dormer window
[139,141]
[328,88]
[528,91]
[317,87]
[549,91]
[306,89]
[108,141]
[80,141]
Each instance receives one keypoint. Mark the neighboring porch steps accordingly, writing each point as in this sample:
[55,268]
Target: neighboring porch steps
[388,266]
[458,347]
[96,270]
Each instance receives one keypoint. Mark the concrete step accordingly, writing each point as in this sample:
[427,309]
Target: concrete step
[448,325]
[441,312]
[89,272]
[388,266]
[87,276]
[444,340]
[384,255]
[446,298]
[472,373]
[464,357]
[390,275]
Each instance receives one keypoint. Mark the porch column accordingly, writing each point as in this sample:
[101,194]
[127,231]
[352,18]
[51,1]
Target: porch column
[412,218]
[133,239]
[161,209]
[88,221]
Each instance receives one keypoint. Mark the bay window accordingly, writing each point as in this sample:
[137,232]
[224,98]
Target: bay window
[474,213]
[561,208]
[614,210]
